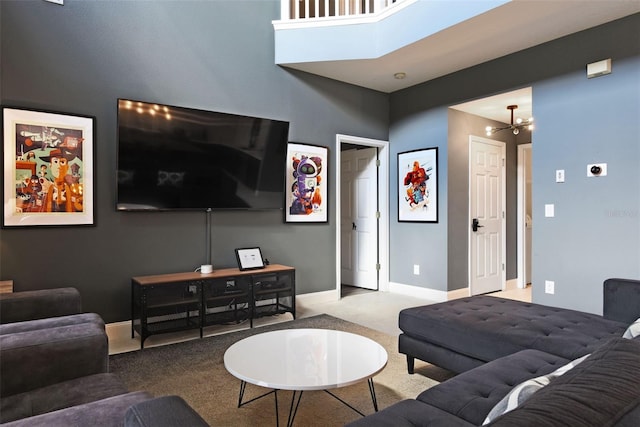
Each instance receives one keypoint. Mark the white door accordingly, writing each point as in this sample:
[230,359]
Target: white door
[358,221]
[486,206]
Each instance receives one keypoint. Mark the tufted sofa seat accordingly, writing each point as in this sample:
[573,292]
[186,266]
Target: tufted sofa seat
[462,334]
[500,327]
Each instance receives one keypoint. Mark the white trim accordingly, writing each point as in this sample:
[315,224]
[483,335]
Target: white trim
[426,293]
[329,21]
[383,203]
[418,292]
[317,297]
[458,293]
[522,204]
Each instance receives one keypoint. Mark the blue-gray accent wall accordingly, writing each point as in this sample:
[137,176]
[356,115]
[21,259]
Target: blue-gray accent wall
[596,231]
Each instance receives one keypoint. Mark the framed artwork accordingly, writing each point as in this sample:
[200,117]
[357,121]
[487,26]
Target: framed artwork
[418,185]
[249,258]
[306,183]
[48,168]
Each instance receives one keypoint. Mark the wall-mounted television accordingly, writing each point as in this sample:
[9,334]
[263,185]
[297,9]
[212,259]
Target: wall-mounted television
[177,158]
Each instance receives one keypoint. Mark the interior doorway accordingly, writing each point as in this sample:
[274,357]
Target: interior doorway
[377,254]
[519,229]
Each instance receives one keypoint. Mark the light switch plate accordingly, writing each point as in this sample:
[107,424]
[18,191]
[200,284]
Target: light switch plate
[549,211]
[560,175]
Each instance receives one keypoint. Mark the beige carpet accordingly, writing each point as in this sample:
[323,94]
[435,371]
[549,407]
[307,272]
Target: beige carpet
[195,371]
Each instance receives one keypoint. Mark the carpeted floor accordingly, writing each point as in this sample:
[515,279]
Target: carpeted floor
[195,371]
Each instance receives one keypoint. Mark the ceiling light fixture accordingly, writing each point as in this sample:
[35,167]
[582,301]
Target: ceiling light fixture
[516,127]
[400,76]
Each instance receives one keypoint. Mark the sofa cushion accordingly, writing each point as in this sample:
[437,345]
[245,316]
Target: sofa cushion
[408,413]
[34,359]
[51,322]
[477,391]
[61,395]
[525,390]
[602,390]
[486,328]
[621,299]
[39,304]
[633,331]
[166,411]
[107,412]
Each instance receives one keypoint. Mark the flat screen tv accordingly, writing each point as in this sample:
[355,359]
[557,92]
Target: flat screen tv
[176,158]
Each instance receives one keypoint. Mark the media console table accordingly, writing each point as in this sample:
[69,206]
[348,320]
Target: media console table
[182,301]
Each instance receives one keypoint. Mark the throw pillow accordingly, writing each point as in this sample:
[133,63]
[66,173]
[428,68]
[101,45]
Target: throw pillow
[633,330]
[524,390]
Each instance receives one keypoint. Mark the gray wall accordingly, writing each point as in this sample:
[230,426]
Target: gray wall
[215,55]
[596,231]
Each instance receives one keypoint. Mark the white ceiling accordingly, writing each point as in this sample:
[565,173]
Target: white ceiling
[515,26]
[495,107]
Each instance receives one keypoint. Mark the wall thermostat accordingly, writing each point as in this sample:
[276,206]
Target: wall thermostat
[597,169]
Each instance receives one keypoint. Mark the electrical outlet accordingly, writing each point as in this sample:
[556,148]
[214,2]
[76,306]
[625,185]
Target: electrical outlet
[549,286]
[560,175]
[416,269]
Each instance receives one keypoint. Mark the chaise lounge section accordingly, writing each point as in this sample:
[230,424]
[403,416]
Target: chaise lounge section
[462,334]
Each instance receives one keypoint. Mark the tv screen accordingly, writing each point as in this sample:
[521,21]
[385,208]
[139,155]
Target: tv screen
[182,158]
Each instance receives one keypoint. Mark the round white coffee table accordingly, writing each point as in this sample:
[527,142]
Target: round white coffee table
[302,360]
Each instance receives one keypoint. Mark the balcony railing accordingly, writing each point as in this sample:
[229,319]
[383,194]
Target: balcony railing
[300,10]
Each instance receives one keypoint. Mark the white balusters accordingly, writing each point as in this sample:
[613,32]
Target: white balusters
[307,9]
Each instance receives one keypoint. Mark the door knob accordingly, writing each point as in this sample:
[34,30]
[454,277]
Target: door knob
[353,226]
[475,224]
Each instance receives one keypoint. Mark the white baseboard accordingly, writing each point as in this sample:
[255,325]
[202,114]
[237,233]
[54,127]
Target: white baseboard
[318,297]
[415,291]
[458,293]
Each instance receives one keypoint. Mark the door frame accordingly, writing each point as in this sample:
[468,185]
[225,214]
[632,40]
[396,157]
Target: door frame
[383,206]
[522,205]
[503,191]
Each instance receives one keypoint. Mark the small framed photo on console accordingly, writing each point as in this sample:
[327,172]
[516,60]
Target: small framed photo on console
[249,258]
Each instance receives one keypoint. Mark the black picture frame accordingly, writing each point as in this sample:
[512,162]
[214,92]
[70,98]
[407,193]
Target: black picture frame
[249,258]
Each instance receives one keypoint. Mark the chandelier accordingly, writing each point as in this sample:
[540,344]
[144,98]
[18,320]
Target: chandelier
[514,127]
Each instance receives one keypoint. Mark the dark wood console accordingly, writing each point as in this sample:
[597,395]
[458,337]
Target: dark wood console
[182,301]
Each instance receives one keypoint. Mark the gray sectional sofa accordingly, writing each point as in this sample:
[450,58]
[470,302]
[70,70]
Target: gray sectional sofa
[462,334]
[582,370]
[54,369]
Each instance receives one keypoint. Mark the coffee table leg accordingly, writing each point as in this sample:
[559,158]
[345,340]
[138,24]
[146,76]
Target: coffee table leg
[293,410]
[372,390]
[243,386]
